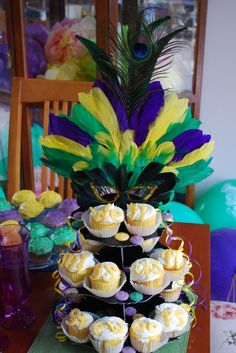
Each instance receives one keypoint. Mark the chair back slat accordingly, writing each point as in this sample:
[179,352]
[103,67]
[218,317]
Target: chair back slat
[48,95]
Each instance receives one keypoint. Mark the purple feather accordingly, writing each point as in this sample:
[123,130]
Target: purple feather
[189,141]
[147,114]
[115,102]
[59,125]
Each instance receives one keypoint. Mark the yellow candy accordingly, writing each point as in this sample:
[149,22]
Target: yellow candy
[137,316]
[121,236]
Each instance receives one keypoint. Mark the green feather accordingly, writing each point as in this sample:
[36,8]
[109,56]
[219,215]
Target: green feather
[194,173]
[86,121]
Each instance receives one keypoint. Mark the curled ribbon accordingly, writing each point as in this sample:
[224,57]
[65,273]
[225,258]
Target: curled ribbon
[56,277]
[60,336]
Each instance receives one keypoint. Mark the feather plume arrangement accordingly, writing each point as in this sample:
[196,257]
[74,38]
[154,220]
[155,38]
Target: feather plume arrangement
[127,140]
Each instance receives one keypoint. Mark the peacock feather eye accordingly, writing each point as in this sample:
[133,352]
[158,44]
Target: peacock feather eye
[140,50]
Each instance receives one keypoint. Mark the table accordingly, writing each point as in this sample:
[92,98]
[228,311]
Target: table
[43,295]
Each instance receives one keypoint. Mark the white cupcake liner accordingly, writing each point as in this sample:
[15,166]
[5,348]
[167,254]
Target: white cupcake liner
[147,248]
[63,275]
[102,294]
[93,246]
[151,290]
[99,345]
[173,276]
[73,338]
[105,233]
[171,295]
[144,231]
[144,346]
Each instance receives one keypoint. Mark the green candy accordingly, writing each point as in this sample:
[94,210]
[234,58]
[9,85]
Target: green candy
[37,229]
[63,235]
[136,297]
[40,246]
[5,205]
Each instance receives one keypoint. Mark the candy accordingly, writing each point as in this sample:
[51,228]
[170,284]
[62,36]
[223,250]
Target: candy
[122,236]
[130,311]
[128,349]
[122,295]
[136,297]
[136,240]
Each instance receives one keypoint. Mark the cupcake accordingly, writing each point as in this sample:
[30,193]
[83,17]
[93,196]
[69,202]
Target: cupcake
[108,334]
[54,219]
[173,318]
[50,199]
[76,325]
[68,206]
[147,276]
[22,196]
[142,219]
[30,209]
[105,277]
[173,261]
[105,220]
[5,205]
[145,335]
[172,294]
[63,236]
[75,267]
[37,229]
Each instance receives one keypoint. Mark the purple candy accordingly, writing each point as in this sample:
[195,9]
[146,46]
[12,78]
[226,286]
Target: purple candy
[122,296]
[54,219]
[11,215]
[128,350]
[130,311]
[68,206]
[136,240]
[126,269]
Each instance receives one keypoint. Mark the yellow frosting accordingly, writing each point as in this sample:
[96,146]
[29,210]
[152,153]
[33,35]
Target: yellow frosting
[22,196]
[76,262]
[50,199]
[79,319]
[172,258]
[121,236]
[106,272]
[9,222]
[167,315]
[31,209]
[107,213]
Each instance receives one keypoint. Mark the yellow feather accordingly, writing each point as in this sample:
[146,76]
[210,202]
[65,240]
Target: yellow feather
[65,144]
[126,143]
[169,169]
[173,111]
[163,148]
[194,156]
[97,104]
[81,165]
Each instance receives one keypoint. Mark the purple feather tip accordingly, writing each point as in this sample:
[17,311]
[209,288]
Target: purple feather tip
[189,141]
[62,126]
[144,116]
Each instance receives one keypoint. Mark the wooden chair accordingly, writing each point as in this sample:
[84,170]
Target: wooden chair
[48,95]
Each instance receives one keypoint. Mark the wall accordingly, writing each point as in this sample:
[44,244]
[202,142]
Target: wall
[218,102]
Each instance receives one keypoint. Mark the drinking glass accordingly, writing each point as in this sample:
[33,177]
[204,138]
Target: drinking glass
[14,276]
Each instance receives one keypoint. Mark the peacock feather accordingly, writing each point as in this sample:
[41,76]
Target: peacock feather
[127,140]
